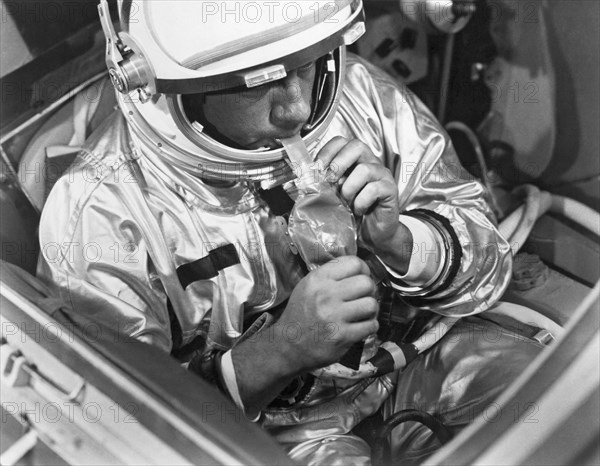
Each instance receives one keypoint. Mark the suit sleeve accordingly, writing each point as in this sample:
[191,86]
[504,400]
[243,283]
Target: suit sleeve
[460,264]
[95,259]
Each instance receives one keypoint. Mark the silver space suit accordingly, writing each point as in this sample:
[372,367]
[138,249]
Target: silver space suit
[166,232]
[142,246]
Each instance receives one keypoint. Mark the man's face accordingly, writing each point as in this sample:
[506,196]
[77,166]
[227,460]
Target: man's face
[255,118]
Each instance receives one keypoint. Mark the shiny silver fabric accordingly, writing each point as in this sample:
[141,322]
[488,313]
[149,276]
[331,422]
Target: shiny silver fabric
[458,380]
[318,431]
[118,225]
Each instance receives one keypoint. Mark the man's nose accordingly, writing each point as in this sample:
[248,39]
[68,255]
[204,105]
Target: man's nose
[291,103]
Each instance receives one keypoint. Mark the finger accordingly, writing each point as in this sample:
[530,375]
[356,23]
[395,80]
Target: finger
[343,267]
[330,150]
[361,309]
[346,159]
[358,331]
[362,174]
[374,193]
[348,156]
[356,287]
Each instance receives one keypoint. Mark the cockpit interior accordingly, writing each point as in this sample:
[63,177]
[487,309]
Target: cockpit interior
[516,86]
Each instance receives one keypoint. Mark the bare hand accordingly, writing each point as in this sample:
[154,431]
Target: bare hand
[367,186]
[330,309]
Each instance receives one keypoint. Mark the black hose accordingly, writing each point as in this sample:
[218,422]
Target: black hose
[380,451]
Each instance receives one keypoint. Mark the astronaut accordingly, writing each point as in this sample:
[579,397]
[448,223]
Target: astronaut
[173,227]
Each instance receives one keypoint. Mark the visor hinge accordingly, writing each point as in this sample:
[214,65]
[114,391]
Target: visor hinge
[125,68]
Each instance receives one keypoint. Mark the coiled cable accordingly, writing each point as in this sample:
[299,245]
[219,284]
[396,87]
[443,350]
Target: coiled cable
[380,454]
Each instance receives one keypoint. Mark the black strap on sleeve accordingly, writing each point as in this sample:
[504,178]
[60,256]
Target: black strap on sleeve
[209,266]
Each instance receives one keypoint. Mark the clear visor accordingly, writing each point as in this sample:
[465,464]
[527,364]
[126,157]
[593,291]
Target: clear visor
[327,81]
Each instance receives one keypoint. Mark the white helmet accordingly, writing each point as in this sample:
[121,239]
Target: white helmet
[168,48]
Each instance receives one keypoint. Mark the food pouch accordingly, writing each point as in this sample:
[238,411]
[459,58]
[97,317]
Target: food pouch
[321,225]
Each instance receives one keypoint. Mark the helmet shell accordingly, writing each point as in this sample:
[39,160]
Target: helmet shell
[174,47]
